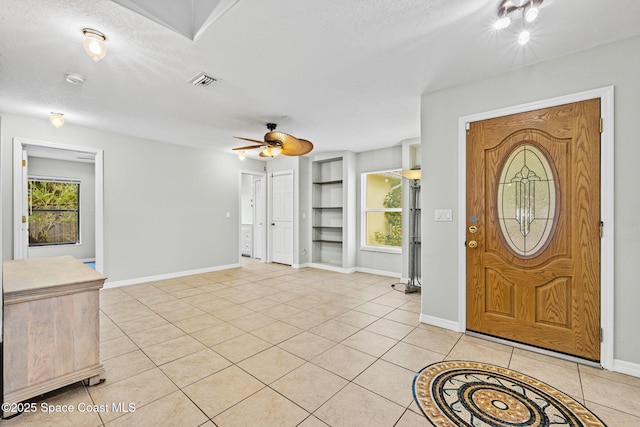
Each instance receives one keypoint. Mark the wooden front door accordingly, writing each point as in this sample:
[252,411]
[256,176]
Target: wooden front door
[533,228]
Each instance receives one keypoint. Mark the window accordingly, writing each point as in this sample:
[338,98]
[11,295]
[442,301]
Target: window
[54,211]
[382,211]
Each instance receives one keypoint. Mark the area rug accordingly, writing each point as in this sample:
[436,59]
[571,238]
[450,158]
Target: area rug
[459,393]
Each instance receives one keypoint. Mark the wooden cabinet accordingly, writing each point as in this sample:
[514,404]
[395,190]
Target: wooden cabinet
[333,206]
[51,326]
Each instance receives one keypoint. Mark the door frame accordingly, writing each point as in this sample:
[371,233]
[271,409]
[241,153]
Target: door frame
[606,95]
[20,243]
[261,176]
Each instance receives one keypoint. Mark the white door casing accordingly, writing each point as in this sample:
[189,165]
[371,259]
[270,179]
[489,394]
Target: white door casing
[258,217]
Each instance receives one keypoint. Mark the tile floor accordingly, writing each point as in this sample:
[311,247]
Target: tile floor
[267,345]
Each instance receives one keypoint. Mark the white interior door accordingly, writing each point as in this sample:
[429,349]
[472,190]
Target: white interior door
[258,217]
[282,218]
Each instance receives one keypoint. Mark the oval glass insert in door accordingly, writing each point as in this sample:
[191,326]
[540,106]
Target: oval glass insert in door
[526,200]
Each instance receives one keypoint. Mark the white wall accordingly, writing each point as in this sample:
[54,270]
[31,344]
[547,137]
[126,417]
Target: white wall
[617,64]
[375,161]
[76,170]
[165,205]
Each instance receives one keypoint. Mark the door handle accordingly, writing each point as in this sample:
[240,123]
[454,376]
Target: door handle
[273,223]
[472,244]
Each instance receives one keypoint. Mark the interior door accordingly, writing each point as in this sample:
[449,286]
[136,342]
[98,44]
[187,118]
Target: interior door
[533,228]
[282,218]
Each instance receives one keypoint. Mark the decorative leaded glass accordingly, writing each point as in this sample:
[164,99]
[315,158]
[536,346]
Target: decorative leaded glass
[526,200]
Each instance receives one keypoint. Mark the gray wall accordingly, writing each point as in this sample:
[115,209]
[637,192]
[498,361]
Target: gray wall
[76,170]
[165,204]
[616,64]
[375,161]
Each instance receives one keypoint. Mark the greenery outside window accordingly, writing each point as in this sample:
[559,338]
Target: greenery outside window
[54,211]
[382,211]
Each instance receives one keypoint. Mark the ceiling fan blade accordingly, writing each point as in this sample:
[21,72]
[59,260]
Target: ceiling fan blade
[291,146]
[248,147]
[252,140]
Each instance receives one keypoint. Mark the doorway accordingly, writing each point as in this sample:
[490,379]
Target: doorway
[605,257]
[252,215]
[22,150]
[281,229]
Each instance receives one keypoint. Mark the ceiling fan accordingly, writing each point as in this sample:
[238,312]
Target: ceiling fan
[278,143]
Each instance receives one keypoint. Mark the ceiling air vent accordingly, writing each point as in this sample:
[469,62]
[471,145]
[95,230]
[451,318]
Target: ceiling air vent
[201,80]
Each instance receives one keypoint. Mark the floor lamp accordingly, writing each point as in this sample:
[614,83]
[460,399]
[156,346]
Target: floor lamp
[413,283]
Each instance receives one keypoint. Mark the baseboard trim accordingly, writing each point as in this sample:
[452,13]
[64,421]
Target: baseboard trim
[139,280]
[332,268]
[625,367]
[379,272]
[441,323]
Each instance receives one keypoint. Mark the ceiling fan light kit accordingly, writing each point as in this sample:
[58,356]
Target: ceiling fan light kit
[276,143]
[509,10]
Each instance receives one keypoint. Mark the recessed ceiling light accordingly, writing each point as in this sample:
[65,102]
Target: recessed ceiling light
[94,43]
[74,78]
[56,119]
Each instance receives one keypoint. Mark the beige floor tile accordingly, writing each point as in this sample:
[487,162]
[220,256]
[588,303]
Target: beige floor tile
[312,421]
[389,328]
[344,361]
[612,417]
[388,380]
[309,386]
[280,311]
[277,332]
[266,408]
[355,406]
[108,329]
[126,365]
[156,335]
[472,350]
[196,323]
[252,322]
[241,347]
[169,306]
[175,409]
[194,367]
[440,343]
[307,345]
[356,318]
[137,390]
[271,364]
[213,305]
[411,357]
[232,312]
[173,349]
[116,347]
[143,323]
[403,316]
[612,394]
[411,419]
[306,319]
[610,375]
[260,304]
[334,330]
[370,343]
[222,390]
[126,314]
[181,313]
[379,310]
[329,310]
[565,380]
[217,334]
[155,298]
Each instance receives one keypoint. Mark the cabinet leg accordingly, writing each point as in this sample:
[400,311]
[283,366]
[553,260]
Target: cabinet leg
[94,380]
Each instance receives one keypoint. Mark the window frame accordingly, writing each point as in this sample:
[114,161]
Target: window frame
[43,178]
[364,211]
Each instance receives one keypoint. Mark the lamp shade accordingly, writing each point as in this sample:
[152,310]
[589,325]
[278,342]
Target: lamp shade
[412,174]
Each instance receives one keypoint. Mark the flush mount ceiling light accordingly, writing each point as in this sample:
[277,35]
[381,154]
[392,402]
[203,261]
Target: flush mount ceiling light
[56,119]
[94,43]
[74,78]
[509,10]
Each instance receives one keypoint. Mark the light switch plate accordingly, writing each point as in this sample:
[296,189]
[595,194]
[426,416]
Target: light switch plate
[443,215]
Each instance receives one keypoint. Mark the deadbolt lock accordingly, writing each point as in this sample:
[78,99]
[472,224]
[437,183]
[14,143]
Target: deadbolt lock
[473,229]
[472,244]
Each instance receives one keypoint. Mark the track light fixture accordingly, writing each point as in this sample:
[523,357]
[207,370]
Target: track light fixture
[509,10]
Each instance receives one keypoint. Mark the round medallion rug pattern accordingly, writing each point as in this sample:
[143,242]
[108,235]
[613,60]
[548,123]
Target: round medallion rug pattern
[458,393]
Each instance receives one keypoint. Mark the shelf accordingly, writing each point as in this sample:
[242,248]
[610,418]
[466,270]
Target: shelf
[327,226]
[327,207]
[328,241]
[337,181]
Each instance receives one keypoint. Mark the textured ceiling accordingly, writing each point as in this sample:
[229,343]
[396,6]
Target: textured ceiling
[344,74]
